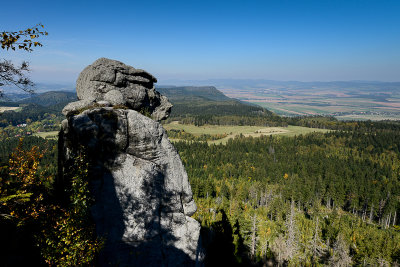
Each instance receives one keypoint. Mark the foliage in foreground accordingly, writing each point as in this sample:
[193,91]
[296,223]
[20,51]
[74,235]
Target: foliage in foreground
[62,235]
[25,40]
[71,241]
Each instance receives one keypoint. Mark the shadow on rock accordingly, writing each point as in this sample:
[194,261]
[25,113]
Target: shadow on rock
[142,196]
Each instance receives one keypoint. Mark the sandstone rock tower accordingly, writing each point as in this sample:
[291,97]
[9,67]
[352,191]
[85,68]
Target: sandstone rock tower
[143,199]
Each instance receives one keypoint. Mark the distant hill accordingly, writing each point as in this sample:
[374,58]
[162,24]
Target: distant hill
[50,98]
[193,92]
[206,104]
[199,105]
[37,107]
[187,100]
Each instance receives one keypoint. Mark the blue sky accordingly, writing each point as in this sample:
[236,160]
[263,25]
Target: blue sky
[302,40]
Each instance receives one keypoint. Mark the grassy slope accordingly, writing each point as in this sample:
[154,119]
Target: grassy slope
[233,131]
[51,135]
[2,109]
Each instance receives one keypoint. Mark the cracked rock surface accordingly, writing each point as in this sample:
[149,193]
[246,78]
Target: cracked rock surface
[143,200]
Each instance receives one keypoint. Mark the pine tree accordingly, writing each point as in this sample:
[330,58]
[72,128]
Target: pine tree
[341,253]
[292,245]
[317,246]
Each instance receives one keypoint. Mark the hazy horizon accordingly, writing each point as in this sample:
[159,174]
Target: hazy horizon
[193,82]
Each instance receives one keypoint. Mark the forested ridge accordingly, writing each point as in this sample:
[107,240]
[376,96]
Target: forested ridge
[301,200]
[316,199]
[192,105]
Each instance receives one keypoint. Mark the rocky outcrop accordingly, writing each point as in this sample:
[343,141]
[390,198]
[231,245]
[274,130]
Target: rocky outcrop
[143,200]
[110,82]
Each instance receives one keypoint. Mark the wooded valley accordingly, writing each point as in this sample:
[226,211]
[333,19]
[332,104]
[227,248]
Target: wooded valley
[316,199]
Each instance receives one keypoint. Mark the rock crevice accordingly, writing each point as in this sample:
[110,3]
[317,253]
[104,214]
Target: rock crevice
[143,200]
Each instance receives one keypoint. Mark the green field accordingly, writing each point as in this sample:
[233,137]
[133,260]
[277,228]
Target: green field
[2,109]
[366,117]
[233,131]
[343,100]
[49,135]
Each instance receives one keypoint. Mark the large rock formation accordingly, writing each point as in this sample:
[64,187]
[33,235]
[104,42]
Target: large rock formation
[143,200]
[110,82]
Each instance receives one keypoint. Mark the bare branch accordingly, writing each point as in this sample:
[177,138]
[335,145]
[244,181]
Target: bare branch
[15,75]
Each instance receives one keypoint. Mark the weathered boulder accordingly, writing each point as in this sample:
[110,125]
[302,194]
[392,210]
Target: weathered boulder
[143,200]
[122,85]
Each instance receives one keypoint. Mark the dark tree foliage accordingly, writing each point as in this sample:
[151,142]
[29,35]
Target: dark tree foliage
[35,229]
[342,185]
[353,170]
[231,112]
[32,112]
[48,163]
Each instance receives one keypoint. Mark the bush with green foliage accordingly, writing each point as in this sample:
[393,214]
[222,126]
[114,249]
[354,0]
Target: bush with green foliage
[71,239]
[31,219]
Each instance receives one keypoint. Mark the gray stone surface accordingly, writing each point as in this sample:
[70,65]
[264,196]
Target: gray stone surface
[77,106]
[143,200]
[115,97]
[121,84]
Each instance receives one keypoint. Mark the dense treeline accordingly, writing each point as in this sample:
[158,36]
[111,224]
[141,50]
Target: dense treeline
[301,200]
[232,120]
[316,199]
[232,115]
[222,108]
[181,134]
[48,163]
[229,113]
[207,105]
[265,119]
[29,113]
[8,104]
[237,113]
[348,170]
[215,109]
[324,122]
[51,98]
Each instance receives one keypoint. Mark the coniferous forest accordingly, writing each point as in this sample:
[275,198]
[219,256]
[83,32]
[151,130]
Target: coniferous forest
[318,199]
[314,200]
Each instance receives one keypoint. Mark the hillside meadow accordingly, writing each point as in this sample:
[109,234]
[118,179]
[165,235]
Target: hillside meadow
[232,131]
[2,109]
